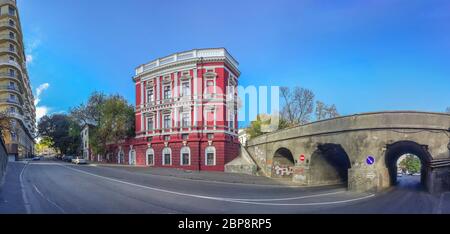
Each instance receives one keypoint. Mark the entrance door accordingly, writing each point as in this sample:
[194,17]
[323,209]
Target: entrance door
[133,157]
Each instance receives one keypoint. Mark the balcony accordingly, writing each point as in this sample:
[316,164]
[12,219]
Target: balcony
[12,2]
[185,56]
[10,101]
[10,88]
[10,76]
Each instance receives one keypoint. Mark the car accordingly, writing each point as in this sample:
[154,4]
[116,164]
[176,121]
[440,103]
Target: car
[36,159]
[67,158]
[79,160]
[399,174]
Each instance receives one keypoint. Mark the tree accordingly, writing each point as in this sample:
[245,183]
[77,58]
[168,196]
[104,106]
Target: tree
[262,123]
[89,113]
[410,163]
[325,112]
[62,131]
[298,105]
[116,122]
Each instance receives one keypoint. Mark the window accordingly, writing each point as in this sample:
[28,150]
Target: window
[210,136]
[12,85]
[12,11]
[12,73]
[12,23]
[231,120]
[209,87]
[167,122]
[150,95]
[11,58]
[12,48]
[12,97]
[185,156]
[167,156]
[185,137]
[12,35]
[210,118]
[210,156]
[185,89]
[150,124]
[167,94]
[12,110]
[13,136]
[166,138]
[186,120]
[150,157]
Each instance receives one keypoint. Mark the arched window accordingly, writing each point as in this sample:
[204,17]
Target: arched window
[120,157]
[132,157]
[167,157]
[185,156]
[210,156]
[150,157]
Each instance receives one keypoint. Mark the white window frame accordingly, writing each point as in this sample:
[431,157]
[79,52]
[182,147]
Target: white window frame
[184,150]
[207,150]
[150,151]
[129,157]
[164,121]
[182,94]
[182,119]
[150,100]
[153,124]
[164,156]
[164,92]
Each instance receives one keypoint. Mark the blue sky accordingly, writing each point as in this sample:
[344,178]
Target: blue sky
[362,56]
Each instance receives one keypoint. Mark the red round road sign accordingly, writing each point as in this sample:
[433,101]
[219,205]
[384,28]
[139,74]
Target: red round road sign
[302,157]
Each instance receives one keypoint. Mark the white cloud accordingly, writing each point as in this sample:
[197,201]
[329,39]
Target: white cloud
[29,59]
[39,91]
[41,111]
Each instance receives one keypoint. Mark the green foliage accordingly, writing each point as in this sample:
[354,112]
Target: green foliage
[60,132]
[411,164]
[116,122]
[89,113]
[256,127]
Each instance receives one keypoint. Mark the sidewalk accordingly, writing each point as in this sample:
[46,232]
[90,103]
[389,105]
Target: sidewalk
[220,177]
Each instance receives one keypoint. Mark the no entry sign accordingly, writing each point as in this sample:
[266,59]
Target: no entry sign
[302,158]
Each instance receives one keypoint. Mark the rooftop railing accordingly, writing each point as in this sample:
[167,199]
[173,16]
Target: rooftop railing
[183,56]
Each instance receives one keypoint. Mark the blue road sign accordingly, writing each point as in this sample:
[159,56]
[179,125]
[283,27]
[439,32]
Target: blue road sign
[370,160]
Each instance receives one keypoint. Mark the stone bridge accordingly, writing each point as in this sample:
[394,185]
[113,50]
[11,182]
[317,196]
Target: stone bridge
[337,150]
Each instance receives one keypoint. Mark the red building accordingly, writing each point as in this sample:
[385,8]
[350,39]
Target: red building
[186,112]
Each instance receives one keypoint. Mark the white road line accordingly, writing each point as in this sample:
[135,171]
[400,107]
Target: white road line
[197,180]
[288,199]
[22,188]
[215,198]
[48,200]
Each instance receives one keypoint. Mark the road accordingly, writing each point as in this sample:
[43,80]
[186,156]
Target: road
[58,188]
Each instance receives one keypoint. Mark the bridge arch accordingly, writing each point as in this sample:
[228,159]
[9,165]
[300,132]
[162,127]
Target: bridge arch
[283,163]
[329,165]
[400,148]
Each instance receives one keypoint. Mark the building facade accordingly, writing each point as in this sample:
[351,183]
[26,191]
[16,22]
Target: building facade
[16,97]
[186,113]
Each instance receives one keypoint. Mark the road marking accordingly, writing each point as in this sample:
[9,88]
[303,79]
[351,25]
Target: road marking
[22,188]
[216,198]
[288,199]
[197,180]
[48,200]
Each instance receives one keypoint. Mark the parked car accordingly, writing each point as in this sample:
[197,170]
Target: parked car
[79,160]
[67,158]
[36,159]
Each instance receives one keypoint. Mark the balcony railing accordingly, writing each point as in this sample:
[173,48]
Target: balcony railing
[9,88]
[13,2]
[9,75]
[8,100]
[193,54]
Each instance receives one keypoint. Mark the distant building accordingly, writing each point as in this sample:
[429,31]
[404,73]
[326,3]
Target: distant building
[16,97]
[186,112]
[86,147]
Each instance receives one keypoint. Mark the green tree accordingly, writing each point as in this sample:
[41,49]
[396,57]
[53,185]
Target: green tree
[411,163]
[116,122]
[256,127]
[89,113]
[62,132]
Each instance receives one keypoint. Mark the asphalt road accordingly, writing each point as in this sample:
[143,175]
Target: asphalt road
[58,188]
